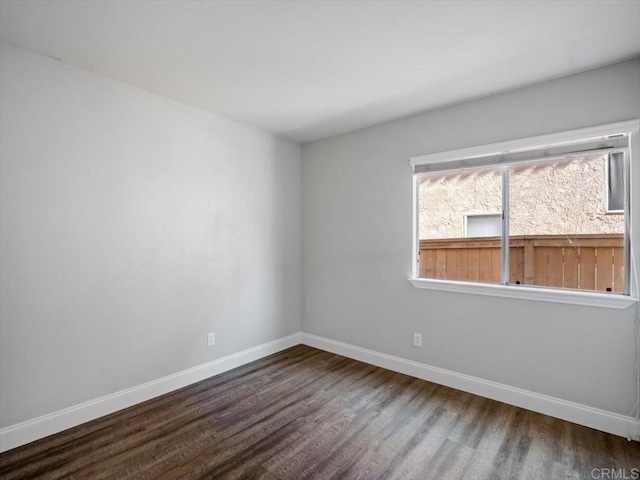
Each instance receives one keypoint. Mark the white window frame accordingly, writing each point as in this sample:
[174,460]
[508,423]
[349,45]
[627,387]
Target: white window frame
[541,293]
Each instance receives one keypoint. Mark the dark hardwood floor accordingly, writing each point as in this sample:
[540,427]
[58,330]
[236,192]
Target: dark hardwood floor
[305,413]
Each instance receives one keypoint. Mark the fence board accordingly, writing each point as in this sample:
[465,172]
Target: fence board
[441,264]
[555,267]
[618,269]
[580,261]
[540,262]
[516,265]
[496,265]
[529,263]
[463,264]
[474,265]
[604,268]
[587,268]
[452,264]
[571,268]
[485,265]
[428,264]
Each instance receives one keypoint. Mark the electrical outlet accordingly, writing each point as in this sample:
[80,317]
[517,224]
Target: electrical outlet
[417,339]
[211,339]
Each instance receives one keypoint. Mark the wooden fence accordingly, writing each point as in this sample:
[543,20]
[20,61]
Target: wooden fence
[588,262]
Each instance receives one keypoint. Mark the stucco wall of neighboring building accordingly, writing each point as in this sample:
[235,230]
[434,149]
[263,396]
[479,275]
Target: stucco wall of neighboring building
[552,198]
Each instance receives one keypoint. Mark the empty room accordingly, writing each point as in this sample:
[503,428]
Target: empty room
[320,239]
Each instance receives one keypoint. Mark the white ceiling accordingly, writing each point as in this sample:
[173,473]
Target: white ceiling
[310,69]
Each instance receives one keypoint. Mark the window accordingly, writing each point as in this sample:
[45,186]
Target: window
[445,250]
[483,225]
[525,217]
[559,232]
[615,184]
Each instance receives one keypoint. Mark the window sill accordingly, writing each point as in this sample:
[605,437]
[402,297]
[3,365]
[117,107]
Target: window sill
[573,297]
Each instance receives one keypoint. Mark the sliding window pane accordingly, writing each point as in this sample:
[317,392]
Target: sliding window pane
[459,216]
[562,232]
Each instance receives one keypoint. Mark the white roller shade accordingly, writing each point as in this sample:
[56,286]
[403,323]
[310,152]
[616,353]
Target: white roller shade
[600,139]
[583,148]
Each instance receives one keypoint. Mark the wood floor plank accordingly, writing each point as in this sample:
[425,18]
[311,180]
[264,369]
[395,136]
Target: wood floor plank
[306,413]
[104,432]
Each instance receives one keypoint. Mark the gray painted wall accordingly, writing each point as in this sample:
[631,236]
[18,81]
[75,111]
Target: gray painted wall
[132,225]
[357,238]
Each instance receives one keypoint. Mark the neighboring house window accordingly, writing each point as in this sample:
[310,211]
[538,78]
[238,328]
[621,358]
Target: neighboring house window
[553,229]
[480,225]
[615,184]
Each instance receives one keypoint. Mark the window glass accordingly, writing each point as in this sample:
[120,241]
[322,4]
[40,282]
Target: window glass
[560,234]
[446,201]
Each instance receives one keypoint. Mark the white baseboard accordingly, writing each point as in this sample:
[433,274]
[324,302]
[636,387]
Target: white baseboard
[25,432]
[40,427]
[603,420]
